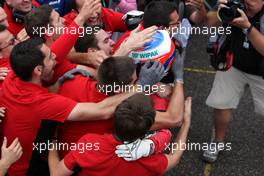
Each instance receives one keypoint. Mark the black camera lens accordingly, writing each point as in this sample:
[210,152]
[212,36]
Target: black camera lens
[229,13]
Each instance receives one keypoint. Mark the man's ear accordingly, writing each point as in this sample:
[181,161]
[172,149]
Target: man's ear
[38,70]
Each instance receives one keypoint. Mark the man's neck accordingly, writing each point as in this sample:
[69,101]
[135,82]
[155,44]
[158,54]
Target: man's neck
[36,81]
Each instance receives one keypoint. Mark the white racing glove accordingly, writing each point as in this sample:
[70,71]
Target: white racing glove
[135,150]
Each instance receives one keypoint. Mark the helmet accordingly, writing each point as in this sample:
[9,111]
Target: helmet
[161,49]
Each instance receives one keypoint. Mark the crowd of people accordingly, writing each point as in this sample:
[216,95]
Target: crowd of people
[60,113]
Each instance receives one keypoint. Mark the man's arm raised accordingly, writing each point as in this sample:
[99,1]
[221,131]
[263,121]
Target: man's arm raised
[175,154]
[174,114]
[97,111]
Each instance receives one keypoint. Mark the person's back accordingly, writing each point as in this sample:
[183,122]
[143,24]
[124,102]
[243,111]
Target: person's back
[82,89]
[27,104]
[99,159]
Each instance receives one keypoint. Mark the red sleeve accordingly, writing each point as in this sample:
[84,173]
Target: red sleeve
[69,18]
[69,161]
[157,164]
[161,140]
[113,21]
[63,45]
[55,107]
[79,156]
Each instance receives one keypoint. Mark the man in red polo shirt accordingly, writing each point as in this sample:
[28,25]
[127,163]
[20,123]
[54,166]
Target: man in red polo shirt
[110,20]
[16,10]
[132,119]
[33,62]
[7,42]
[38,23]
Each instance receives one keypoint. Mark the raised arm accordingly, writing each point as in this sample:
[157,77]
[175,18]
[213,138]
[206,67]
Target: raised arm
[57,166]
[174,114]
[97,111]
[91,58]
[175,155]
[198,15]
[63,45]
[136,40]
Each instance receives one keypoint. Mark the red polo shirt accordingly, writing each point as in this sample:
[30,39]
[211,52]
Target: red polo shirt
[81,89]
[26,105]
[15,27]
[112,20]
[99,159]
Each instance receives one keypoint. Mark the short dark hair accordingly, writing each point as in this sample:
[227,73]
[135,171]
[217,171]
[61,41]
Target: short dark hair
[141,4]
[37,18]
[86,41]
[116,70]
[158,13]
[25,56]
[134,117]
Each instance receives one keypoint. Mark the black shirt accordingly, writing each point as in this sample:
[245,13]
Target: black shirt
[248,60]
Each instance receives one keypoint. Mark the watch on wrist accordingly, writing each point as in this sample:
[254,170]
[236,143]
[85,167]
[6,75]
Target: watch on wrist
[248,30]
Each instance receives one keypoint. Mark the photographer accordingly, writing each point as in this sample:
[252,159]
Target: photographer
[246,44]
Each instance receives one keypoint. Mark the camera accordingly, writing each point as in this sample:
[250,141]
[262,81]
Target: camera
[229,13]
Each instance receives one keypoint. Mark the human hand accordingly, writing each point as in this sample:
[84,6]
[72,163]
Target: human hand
[88,9]
[10,154]
[2,112]
[178,66]
[242,21]
[135,150]
[197,4]
[95,58]
[137,38]
[151,73]
[22,35]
